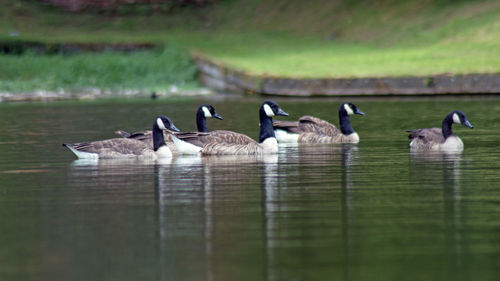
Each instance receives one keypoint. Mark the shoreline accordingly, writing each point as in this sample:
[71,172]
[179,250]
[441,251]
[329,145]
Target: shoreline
[91,94]
[217,76]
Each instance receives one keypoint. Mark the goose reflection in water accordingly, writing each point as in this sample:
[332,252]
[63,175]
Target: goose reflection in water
[113,173]
[276,195]
[192,203]
[436,164]
[444,170]
[203,204]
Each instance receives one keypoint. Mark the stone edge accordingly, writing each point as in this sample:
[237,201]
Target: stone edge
[218,76]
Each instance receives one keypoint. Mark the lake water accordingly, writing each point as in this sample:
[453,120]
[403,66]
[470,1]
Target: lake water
[370,211]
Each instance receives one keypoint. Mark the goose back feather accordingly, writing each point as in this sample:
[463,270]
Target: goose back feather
[224,148]
[147,138]
[311,138]
[112,148]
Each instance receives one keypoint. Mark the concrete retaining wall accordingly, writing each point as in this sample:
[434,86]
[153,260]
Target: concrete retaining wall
[220,77]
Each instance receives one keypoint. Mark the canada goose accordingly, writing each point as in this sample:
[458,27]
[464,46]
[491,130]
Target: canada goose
[125,147]
[435,139]
[227,142]
[314,130]
[203,112]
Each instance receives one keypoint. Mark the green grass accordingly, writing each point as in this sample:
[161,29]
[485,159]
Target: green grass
[316,38]
[332,38]
[143,71]
[352,60]
[312,58]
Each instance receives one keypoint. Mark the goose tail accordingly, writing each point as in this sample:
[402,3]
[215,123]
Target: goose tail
[81,154]
[123,133]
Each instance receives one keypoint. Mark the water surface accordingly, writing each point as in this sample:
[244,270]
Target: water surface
[371,211]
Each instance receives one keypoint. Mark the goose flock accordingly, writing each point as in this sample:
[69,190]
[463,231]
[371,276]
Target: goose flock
[165,139]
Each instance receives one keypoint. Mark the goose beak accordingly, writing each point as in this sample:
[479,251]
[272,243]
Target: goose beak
[174,128]
[216,115]
[359,112]
[468,124]
[281,112]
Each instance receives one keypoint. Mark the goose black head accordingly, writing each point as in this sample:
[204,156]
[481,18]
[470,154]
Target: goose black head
[460,118]
[164,123]
[350,109]
[209,111]
[271,109]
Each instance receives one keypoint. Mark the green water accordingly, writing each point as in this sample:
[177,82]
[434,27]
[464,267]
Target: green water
[370,211]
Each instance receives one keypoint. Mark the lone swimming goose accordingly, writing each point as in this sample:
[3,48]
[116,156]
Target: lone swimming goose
[314,130]
[125,147]
[436,139]
[203,112]
[227,142]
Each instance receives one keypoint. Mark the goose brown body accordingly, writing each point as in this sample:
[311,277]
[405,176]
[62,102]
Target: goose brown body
[125,147]
[436,139]
[222,143]
[218,136]
[117,147]
[431,139]
[309,129]
[314,130]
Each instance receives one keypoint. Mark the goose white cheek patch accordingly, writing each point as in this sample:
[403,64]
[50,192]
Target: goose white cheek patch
[348,109]
[206,112]
[268,110]
[160,124]
[456,119]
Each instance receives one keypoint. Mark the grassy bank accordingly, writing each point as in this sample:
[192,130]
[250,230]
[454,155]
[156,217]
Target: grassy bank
[317,38]
[309,57]
[146,71]
[355,38]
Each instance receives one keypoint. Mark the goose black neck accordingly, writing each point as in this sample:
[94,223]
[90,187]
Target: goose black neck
[158,139]
[345,122]
[446,126]
[266,126]
[201,121]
